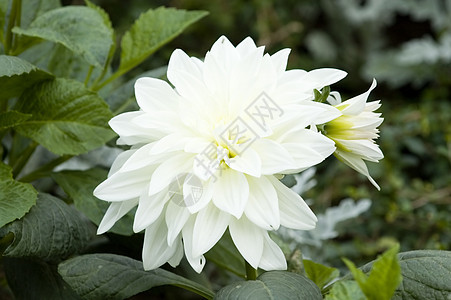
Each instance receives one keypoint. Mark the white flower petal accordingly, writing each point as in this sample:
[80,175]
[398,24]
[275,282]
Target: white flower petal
[272,257]
[231,192]
[313,140]
[246,46]
[166,172]
[187,78]
[207,194]
[248,239]
[319,78]
[328,112]
[210,225]
[294,212]
[356,104]
[120,160]
[262,207]
[196,262]
[364,148]
[140,158]
[115,211]
[224,53]
[171,142]
[247,162]
[176,217]
[181,62]
[149,209]
[275,158]
[124,186]
[280,59]
[356,162]
[174,261]
[131,133]
[156,251]
[155,95]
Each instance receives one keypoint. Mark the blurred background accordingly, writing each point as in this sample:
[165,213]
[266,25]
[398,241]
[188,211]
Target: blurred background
[406,46]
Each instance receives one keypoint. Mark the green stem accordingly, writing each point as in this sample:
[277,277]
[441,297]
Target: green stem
[88,76]
[11,16]
[23,158]
[45,170]
[113,77]
[251,273]
[105,68]
[18,13]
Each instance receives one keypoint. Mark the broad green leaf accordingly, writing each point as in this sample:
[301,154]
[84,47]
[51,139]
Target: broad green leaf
[321,275]
[79,28]
[79,186]
[66,64]
[103,14]
[12,118]
[272,285]
[384,277]
[16,198]
[345,290]
[226,255]
[17,74]
[50,231]
[31,9]
[152,30]
[34,279]
[426,275]
[110,276]
[109,25]
[67,117]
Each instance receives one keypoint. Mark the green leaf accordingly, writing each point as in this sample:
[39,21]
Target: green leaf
[226,255]
[345,290]
[64,63]
[384,277]
[67,117]
[79,186]
[109,276]
[321,96]
[152,30]
[31,9]
[426,274]
[272,285]
[17,74]
[321,275]
[79,28]
[103,14]
[50,231]
[12,118]
[34,279]
[109,25]
[16,198]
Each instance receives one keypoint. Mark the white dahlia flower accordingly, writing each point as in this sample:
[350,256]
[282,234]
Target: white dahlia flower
[355,131]
[206,154]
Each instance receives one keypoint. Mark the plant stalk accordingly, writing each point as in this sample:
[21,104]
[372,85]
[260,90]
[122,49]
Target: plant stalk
[251,273]
[23,158]
[11,20]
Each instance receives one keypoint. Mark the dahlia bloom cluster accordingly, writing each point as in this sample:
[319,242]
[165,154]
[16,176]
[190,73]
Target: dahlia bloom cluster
[207,152]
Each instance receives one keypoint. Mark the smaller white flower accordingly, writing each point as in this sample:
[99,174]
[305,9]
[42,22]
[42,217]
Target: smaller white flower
[355,131]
